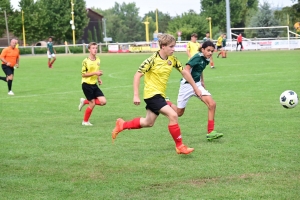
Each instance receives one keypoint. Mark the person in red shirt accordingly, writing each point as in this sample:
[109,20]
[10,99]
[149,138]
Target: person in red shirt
[10,60]
[239,42]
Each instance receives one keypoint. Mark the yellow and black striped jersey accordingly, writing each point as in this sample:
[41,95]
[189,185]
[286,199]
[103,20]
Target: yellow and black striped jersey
[89,65]
[157,71]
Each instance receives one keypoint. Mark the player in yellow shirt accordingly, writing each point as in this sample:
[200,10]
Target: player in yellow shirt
[219,42]
[192,46]
[90,77]
[157,69]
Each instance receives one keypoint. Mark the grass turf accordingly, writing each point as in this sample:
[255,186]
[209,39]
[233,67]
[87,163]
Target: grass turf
[47,154]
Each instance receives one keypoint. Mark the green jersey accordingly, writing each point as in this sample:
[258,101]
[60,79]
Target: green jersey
[197,63]
[206,39]
[224,42]
[50,47]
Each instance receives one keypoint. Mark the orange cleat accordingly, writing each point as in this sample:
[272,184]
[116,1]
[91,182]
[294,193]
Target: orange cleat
[182,149]
[118,128]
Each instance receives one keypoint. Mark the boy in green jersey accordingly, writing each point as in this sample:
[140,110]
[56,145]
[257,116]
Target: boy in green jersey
[50,52]
[195,67]
[207,38]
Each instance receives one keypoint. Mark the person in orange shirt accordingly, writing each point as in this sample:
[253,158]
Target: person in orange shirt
[10,60]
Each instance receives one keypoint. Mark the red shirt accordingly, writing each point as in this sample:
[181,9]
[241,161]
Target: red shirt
[240,38]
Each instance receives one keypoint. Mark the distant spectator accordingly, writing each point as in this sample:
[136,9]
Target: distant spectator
[239,42]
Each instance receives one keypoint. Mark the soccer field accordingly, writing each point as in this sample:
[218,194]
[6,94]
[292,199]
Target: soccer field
[47,154]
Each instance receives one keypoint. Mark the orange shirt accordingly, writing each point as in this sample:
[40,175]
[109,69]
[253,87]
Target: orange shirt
[10,55]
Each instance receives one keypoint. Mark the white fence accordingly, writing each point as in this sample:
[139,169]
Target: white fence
[248,44]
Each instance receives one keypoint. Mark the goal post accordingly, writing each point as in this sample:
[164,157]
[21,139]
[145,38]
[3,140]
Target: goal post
[271,32]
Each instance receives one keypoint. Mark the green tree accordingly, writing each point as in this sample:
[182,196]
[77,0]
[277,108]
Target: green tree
[163,20]
[240,11]
[128,14]
[289,15]
[264,18]
[33,21]
[114,24]
[188,23]
[5,6]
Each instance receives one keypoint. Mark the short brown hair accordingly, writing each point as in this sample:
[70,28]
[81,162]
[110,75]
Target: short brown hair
[165,39]
[194,35]
[92,44]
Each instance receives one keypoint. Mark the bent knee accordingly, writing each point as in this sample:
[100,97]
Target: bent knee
[212,105]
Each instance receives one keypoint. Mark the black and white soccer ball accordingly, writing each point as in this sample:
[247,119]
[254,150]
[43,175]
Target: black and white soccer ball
[289,99]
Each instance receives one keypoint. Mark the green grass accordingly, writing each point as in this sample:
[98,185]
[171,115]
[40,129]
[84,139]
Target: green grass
[47,154]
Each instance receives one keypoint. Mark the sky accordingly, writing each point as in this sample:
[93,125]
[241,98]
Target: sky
[173,7]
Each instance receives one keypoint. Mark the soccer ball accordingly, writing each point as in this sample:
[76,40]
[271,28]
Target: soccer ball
[288,99]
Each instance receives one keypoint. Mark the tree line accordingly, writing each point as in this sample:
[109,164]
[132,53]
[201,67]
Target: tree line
[43,18]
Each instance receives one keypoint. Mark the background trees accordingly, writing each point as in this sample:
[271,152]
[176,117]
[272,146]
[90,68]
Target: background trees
[5,6]
[264,18]
[124,23]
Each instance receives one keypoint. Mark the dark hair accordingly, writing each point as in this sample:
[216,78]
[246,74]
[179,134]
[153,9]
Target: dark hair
[207,44]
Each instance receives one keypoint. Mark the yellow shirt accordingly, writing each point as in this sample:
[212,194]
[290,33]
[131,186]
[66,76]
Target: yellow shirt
[157,72]
[219,41]
[89,65]
[193,47]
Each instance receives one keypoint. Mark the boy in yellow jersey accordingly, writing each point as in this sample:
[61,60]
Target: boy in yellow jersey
[192,46]
[157,69]
[206,38]
[219,42]
[90,77]
[223,51]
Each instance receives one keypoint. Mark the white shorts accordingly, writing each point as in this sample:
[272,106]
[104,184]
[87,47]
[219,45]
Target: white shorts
[50,55]
[186,91]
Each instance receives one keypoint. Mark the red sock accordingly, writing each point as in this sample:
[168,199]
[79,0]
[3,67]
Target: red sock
[97,102]
[210,126]
[52,62]
[87,114]
[211,64]
[86,102]
[169,103]
[176,134]
[133,124]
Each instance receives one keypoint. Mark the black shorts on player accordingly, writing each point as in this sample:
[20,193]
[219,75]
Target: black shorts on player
[219,47]
[91,91]
[7,70]
[155,103]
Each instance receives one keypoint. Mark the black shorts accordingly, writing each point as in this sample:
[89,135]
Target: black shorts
[8,70]
[219,47]
[91,91]
[155,103]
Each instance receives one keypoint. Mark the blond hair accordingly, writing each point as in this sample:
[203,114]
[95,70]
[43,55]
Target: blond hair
[165,39]
[92,44]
